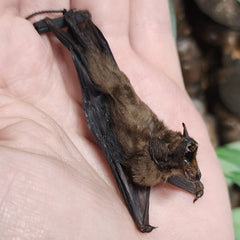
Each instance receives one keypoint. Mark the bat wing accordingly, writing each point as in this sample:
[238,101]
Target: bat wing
[98,117]
[97,112]
[192,187]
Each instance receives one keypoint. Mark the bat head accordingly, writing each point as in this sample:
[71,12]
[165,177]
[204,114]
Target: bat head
[189,164]
[182,157]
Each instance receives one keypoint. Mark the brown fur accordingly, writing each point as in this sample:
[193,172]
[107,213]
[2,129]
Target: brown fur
[135,124]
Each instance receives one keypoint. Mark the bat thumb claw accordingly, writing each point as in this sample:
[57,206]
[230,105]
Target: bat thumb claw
[198,195]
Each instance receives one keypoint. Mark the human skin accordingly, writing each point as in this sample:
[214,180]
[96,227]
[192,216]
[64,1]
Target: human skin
[54,181]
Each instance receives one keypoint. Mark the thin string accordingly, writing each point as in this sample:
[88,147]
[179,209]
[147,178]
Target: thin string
[45,11]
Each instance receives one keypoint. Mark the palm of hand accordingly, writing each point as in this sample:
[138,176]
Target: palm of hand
[54,179]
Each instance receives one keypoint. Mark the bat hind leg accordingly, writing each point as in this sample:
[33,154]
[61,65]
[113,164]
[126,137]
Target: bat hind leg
[195,188]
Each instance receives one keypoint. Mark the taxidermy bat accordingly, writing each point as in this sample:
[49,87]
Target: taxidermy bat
[140,149]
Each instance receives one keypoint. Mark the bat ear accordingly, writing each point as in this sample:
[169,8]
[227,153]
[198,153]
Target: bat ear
[185,132]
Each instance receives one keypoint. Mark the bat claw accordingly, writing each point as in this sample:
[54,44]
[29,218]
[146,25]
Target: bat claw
[146,228]
[198,195]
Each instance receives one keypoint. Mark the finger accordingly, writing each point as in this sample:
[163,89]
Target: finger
[111,17]
[29,71]
[151,36]
[8,6]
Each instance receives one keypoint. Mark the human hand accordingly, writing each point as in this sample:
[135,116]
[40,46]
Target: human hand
[55,182]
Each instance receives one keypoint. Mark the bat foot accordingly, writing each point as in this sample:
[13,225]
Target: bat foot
[146,228]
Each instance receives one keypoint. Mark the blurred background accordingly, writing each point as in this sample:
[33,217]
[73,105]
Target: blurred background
[207,33]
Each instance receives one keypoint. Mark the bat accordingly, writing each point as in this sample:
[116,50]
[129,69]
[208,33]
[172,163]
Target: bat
[140,149]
